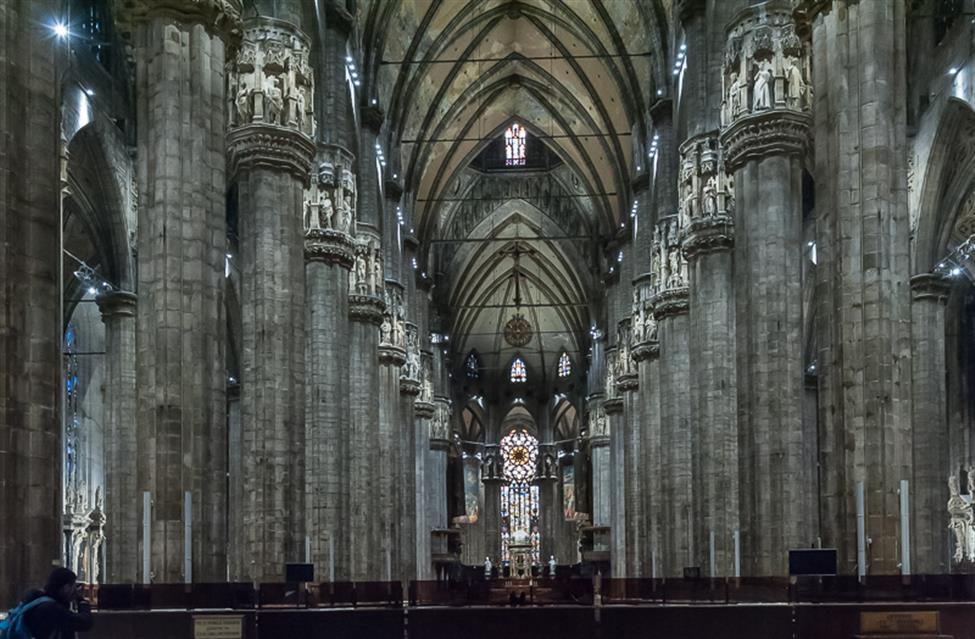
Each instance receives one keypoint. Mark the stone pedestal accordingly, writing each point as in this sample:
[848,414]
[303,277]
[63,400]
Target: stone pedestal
[180,50]
[123,520]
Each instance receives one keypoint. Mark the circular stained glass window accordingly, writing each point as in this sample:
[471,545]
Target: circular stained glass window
[520,451]
[518,331]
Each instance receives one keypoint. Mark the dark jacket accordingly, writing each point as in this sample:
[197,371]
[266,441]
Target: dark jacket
[54,620]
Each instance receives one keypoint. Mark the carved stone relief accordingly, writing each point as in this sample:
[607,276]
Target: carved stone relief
[271,81]
[766,66]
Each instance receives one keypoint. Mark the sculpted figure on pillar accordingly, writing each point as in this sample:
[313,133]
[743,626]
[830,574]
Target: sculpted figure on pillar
[426,384]
[668,265]
[766,65]
[598,425]
[271,81]
[412,368]
[961,520]
[440,426]
[611,366]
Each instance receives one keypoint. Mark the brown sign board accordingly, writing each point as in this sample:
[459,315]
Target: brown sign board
[900,623]
[218,627]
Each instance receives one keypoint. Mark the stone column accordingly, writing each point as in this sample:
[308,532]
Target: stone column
[863,249]
[30,373]
[123,525]
[329,256]
[613,407]
[550,511]
[493,479]
[409,487]
[929,539]
[180,51]
[764,138]
[366,307]
[669,300]
[708,241]
[271,155]
[440,449]
[423,412]
[392,356]
[627,384]
[646,355]
[599,452]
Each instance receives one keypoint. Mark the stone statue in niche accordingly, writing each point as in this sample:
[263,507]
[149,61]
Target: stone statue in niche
[961,522]
[610,389]
[377,271]
[762,88]
[386,330]
[650,328]
[412,356]
[710,197]
[734,96]
[795,85]
[673,281]
[273,103]
[243,104]
[360,279]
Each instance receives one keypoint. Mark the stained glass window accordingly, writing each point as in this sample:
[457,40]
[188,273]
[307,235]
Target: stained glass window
[72,424]
[472,366]
[514,145]
[565,365]
[519,372]
[519,498]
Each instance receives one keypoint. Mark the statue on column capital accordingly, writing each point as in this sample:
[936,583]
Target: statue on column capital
[766,77]
[271,81]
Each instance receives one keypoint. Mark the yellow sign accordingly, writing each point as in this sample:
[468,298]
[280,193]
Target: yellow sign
[218,627]
[900,623]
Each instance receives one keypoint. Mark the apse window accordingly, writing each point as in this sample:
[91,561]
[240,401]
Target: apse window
[519,372]
[514,145]
[472,367]
[565,365]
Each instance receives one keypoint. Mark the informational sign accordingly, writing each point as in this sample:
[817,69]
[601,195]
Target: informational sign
[218,627]
[900,623]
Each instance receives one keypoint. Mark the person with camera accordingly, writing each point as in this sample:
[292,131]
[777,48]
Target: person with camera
[59,610]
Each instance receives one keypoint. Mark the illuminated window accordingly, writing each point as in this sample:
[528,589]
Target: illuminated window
[472,366]
[565,365]
[72,403]
[519,498]
[514,145]
[519,372]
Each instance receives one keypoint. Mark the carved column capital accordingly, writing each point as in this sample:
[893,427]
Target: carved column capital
[373,117]
[221,18]
[330,247]
[668,266]
[674,301]
[271,83]
[117,304]
[440,426]
[366,308]
[613,406]
[646,351]
[777,132]
[271,147]
[930,286]
[709,235]
[628,382]
[766,79]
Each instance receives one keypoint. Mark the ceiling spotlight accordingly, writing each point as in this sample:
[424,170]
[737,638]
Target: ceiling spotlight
[953,71]
[61,30]
[90,93]
[348,58]
[356,82]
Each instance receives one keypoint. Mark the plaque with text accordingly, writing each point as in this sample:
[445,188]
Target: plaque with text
[218,627]
[900,623]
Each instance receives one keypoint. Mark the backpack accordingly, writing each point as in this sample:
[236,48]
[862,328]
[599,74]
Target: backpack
[13,627]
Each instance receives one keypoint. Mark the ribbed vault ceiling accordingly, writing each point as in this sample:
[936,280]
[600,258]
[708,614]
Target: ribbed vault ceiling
[580,75]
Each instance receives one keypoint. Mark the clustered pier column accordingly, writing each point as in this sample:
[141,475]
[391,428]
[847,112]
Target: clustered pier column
[329,256]
[181,51]
[271,154]
[366,307]
[30,434]
[670,306]
[764,138]
[123,523]
[863,230]
[646,355]
[707,201]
